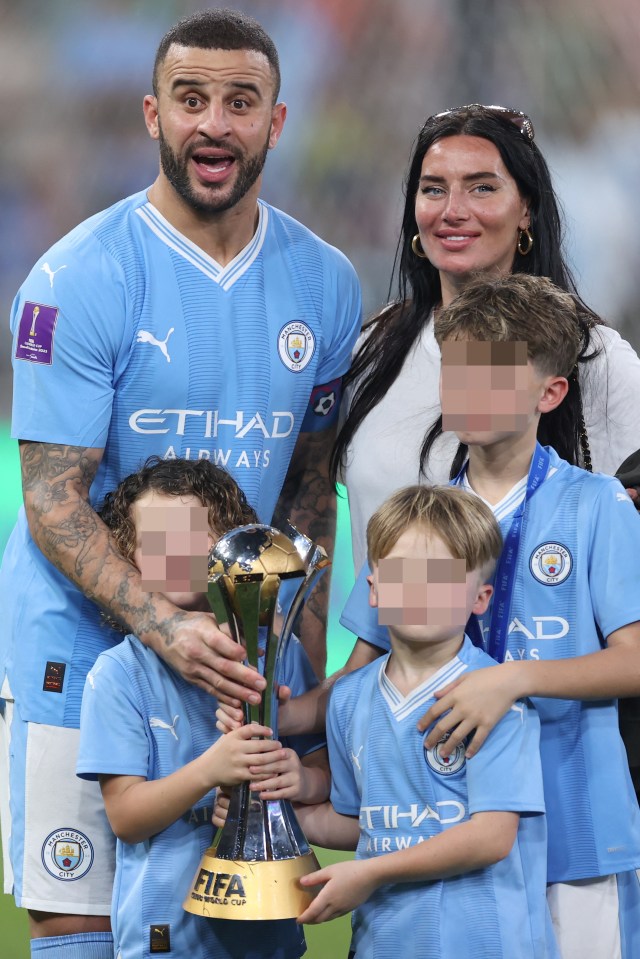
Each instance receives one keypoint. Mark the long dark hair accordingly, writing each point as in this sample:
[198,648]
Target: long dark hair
[391,334]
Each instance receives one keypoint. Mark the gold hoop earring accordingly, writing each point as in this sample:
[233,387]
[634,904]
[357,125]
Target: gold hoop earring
[416,246]
[528,236]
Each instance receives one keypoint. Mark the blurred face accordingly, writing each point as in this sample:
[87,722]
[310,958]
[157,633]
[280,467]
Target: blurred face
[488,390]
[215,121]
[173,540]
[423,593]
[468,209]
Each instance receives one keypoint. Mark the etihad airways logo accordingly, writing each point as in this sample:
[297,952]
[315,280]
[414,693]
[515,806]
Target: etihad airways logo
[277,424]
[393,817]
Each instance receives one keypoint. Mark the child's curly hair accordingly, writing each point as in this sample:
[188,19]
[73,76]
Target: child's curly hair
[214,487]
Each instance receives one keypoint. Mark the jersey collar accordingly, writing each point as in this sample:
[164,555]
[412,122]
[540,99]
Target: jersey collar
[225,276]
[402,706]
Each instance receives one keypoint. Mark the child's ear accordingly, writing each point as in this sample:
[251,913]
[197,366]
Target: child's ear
[484,594]
[555,390]
[373,593]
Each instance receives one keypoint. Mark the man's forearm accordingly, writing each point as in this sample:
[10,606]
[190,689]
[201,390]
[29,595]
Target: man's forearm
[308,500]
[56,482]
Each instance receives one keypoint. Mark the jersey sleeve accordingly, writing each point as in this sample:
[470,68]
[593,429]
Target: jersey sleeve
[113,731]
[361,618]
[614,557]
[345,795]
[298,675]
[343,319]
[68,324]
[505,775]
[343,316]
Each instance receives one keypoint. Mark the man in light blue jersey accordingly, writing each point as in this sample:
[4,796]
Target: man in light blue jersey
[190,320]
[565,614]
[150,737]
[451,856]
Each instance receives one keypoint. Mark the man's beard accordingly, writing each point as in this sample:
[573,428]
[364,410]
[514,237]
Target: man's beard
[176,170]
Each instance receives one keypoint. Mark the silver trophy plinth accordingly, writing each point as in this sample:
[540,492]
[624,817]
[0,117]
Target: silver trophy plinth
[259,579]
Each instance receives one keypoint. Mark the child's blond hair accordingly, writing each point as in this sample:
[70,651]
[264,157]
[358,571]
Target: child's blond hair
[464,523]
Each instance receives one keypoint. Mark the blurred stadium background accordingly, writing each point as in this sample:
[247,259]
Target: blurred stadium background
[359,77]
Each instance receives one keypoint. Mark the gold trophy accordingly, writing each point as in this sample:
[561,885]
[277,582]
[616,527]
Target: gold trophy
[259,579]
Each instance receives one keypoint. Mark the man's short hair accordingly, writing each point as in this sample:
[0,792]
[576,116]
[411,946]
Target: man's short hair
[219,30]
[464,523]
[521,307]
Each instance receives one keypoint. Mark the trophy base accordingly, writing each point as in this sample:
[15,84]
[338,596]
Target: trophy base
[227,889]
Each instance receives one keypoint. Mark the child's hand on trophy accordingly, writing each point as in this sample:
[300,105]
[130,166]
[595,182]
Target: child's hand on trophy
[232,758]
[221,808]
[230,717]
[284,776]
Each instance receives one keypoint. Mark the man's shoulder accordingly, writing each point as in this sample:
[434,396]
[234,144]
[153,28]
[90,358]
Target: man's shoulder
[292,231]
[89,235]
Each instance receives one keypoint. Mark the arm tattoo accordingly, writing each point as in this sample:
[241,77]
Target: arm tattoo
[56,481]
[308,501]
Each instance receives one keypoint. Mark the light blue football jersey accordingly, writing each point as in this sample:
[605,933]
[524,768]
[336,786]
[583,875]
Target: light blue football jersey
[128,337]
[405,794]
[140,718]
[578,580]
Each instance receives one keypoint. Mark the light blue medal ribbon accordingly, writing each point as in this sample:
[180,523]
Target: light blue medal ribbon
[507,564]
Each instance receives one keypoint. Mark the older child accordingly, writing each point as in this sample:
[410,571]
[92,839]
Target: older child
[566,611]
[150,737]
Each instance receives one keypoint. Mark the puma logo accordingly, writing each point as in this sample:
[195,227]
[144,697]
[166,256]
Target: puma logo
[51,273]
[156,723]
[355,757]
[145,337]
[91,676]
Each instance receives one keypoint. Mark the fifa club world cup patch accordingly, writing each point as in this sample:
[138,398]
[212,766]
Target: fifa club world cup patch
[35,333]
[296,346]
[550,563]
[67,854]
[446,765]
[160,938]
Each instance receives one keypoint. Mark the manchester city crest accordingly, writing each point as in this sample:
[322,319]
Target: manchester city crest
[445,765]
[67,854]
[296,346]
[550,563]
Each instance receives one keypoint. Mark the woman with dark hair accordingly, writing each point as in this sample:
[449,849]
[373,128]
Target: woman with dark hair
[479,199]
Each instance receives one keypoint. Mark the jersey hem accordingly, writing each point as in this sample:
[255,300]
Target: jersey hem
[70,908]
[630,867]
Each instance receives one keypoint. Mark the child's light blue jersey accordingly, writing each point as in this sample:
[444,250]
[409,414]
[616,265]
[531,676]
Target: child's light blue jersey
[140,718]
[128,338]
[578,580]
[405,794]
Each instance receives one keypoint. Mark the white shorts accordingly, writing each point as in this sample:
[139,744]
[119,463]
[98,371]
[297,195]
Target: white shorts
[57,846]
[597,918]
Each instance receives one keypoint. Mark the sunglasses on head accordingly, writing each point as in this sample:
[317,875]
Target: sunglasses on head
[519,119]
